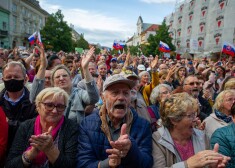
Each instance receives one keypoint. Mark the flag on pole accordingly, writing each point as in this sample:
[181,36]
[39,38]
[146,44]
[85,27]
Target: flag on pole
[118,45]
[35,37]
[32,38]
[39,40]
[228,49]
[163,47]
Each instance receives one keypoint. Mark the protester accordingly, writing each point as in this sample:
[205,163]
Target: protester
[159,93]
[177,143]
[14,99]
[191,86]
[115,136]
[3,137]
[225,138]
[222,112]
[46,141]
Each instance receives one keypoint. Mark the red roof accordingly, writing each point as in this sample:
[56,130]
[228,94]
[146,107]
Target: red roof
[153,27]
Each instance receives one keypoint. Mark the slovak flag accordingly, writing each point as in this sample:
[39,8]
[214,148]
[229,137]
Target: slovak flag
[39,40]
[35,37]
[163,47]
[32,38]
[228,49]
[118,45]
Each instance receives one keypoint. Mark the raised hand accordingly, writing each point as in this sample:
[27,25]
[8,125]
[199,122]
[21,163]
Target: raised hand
[154,62]
[86,58]
[123,143]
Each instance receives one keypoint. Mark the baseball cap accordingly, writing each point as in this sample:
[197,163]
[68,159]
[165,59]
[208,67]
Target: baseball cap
[114,59]
[117,78]
[129,73]
[141,67]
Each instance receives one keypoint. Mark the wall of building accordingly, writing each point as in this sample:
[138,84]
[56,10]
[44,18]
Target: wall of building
[209,22]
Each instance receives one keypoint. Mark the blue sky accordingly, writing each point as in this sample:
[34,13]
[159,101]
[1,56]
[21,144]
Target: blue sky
[103,21]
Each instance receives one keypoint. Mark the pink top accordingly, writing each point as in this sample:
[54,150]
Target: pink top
[185,151]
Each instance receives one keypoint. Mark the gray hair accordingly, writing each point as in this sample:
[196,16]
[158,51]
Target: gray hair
[156,92]
[56,68]
[13,64]
[142,73]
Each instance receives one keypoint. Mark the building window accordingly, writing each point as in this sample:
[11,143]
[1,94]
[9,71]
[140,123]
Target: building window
[14,7]
[4,25]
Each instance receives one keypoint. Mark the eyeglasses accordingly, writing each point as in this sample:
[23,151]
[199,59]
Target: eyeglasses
[190,116]
[192,83]
[51,106]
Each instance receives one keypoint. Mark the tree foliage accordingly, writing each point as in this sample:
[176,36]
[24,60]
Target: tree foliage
[82,43]
[57,33]
[153,41]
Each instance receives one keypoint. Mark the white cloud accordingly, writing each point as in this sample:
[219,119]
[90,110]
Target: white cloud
[97,26]
[158,1]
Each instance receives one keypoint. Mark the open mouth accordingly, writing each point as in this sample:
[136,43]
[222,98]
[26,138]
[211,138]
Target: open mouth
[119,106]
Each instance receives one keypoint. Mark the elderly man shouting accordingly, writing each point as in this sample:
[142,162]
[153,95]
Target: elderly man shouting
[115,136]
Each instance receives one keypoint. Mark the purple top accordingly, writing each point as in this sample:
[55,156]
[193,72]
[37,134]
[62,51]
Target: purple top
[185,151]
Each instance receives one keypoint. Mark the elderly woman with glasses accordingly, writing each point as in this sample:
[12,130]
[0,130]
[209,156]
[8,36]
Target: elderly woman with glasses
[177,143]
[46,141]
[159,93]
[222,112]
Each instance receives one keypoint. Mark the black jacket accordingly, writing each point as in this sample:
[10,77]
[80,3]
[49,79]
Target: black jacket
[67,145]
[17,114]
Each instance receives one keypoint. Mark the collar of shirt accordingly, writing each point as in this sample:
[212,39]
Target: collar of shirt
[13,103]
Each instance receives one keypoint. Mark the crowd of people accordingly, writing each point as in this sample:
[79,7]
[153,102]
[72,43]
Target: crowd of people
[100,110]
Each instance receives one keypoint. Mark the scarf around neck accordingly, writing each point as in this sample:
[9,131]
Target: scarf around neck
[223,117]
[105,126]
[41,157]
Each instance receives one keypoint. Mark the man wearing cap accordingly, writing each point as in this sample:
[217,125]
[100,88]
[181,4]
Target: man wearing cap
[141,68]
[115,136]
[113,65]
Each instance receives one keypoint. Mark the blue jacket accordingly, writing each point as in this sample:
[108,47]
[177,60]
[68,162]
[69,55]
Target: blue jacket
[93,143]
[225,138]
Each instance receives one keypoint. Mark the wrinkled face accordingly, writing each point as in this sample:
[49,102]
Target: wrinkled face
[164,94]
[48,78]
[227,103]
[117,99]
[185,126]
[47,115]
[62,79]
[145,78]
[191,86]
[102,70]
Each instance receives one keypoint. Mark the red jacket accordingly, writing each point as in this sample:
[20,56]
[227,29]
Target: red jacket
[3,135]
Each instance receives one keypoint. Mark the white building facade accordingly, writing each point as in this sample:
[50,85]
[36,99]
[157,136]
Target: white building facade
[201,26]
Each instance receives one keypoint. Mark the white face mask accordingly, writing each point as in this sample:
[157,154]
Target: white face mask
[133,95]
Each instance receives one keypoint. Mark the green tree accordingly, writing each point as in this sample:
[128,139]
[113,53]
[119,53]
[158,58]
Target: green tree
[153,41]
[82,43]
[57,33]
